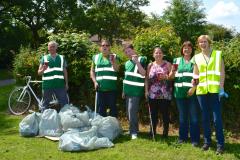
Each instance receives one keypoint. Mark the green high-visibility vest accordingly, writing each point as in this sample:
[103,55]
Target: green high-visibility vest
[106,76]
[53,76]
[133,83]
[183,78]
[209,73]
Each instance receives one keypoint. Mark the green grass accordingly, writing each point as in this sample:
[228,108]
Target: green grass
[5,74]
[12,146]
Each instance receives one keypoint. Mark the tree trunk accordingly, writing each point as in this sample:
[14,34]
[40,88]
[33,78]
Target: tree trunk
[35,38]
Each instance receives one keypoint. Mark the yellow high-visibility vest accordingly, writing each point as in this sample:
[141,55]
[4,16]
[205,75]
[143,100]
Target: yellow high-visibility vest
[209,72]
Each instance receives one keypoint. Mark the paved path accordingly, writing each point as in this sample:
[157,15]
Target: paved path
[7,82]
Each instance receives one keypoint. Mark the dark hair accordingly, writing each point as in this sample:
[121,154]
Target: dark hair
[128,46]
[189,44]
[157,48]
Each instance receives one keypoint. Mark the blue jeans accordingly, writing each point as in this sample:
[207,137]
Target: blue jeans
[61,95]
[107,99]
[188,116]
[210,104]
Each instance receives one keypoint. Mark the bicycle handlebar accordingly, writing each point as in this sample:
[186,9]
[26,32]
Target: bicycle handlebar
[28,80]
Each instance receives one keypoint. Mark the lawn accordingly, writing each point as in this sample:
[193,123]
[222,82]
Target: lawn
[12,146]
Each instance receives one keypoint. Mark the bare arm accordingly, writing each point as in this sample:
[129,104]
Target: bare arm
[65,73]
[141,70]
[171,71]
[93,76]
[41,69]
[146,80]
[115,64]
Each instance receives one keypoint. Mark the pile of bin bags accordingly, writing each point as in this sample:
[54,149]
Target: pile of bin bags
[77,130]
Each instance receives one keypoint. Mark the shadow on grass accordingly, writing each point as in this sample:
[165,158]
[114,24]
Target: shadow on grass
[9,124]
[170,140]
[233,148]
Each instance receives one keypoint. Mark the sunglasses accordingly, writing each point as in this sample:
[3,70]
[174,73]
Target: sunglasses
[105,45]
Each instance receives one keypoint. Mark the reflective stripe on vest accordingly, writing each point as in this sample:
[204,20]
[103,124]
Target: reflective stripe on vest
[209,73]
[183,84]
[134,74]
[49,70]
[53,77]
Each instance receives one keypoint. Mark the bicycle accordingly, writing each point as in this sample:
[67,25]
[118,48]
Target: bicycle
[19,100]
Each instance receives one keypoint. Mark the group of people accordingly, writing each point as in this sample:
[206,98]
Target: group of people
[194,80]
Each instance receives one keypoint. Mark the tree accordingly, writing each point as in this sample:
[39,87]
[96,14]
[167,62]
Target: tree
[157,36]
[186,17]
[115,19]
[44,15]
[218,32]
[9,31]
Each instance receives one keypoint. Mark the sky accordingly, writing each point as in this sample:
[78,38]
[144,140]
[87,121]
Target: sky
[221,12]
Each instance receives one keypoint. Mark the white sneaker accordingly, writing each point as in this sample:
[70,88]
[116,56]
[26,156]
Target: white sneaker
[134,136]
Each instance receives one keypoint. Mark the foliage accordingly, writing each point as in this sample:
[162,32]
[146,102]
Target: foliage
[219,32]
[43,15]
[115,19]
[26,63]
[156,36]
[231,53]
[10,41]
[186,17]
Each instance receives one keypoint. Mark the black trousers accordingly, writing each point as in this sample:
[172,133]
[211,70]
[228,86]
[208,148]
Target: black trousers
[163,106]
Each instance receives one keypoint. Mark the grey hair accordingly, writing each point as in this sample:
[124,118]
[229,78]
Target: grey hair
[53,43]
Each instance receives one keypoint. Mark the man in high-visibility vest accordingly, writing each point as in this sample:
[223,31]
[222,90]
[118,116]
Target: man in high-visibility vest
[133,86]
[53,68]
[209,67]
[104,76]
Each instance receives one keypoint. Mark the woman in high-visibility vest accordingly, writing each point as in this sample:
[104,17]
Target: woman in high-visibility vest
[158,90]
[184,92]
[209,66]
[104,76]
[133,86]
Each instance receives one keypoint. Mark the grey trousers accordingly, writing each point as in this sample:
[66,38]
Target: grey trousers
[132,104]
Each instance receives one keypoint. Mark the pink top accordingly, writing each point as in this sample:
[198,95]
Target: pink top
[159,89]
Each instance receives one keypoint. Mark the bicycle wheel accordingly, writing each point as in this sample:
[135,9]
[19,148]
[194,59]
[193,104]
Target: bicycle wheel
[19,101]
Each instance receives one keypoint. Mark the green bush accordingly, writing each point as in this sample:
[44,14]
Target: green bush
[231,53]
[26,63]
[156,36]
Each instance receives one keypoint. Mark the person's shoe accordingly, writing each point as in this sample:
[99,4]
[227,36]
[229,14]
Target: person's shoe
[180,141]
[219,150]
[194,144]
[134,136]
[205,147]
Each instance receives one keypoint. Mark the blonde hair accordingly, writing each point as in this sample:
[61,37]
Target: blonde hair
[206,37]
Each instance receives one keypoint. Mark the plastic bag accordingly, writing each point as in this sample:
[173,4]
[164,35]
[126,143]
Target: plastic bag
[50,124]
[29,126]
[72,118]
[107,126]
[88,140]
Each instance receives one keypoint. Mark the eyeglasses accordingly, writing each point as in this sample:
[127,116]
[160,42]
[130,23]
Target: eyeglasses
[105,45]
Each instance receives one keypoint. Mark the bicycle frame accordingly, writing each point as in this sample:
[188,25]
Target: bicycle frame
[40,102]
